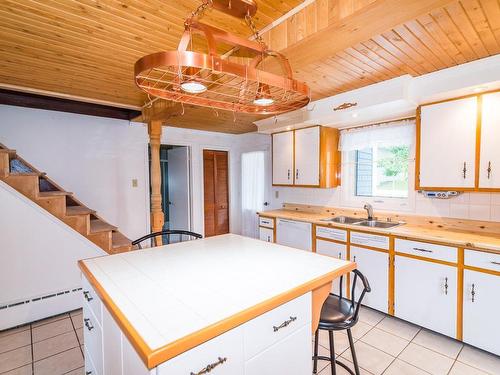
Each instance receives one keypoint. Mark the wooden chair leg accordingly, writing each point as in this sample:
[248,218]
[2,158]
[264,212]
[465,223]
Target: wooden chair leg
[353,352]
[332,353]
[315,364]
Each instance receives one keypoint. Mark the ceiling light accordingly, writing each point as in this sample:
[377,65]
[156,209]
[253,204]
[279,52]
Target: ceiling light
[193,87]
[263,97]
[263,102]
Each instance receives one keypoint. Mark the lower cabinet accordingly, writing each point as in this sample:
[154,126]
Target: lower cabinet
[481,309]
[266,234]
[375,266]
[293,233]
[426,294]
[335,250]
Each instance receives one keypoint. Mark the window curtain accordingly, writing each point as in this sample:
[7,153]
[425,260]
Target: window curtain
[252,191]
[382,135]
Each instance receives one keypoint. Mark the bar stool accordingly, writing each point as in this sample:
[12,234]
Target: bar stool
[339,313]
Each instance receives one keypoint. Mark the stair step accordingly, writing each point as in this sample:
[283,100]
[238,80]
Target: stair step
[54,193]
[78,210]
[120,240]
[97,226]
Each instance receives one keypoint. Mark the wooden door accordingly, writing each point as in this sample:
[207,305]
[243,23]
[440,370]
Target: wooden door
[216,192]
[307,156]
[448,144]
[426,294]
[283,158]
[480,302]
[489,166]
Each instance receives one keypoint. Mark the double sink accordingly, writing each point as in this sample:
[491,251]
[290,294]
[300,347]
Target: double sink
[364,222]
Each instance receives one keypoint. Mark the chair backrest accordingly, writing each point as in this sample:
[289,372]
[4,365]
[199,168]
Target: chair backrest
[355,303]
[182,236]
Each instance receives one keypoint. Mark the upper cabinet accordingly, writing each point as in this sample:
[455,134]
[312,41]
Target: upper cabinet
[307,157]
[457,142]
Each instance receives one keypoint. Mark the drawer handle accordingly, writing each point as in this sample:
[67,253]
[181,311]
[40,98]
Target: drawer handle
[464,171]
[286,323]
[88,372]
[89,325]
[489,170]
[422,250]
[340,255]
[446,285]
[495,263]
[210,367]
[473,293]
[87,296]
[289,174]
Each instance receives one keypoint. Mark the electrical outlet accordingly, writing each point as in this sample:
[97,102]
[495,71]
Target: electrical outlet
[134,182]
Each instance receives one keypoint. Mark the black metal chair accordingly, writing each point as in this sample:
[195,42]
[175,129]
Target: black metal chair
[183,235]
[339,313]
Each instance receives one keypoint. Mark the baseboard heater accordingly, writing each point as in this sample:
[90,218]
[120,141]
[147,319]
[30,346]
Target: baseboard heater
[40,298]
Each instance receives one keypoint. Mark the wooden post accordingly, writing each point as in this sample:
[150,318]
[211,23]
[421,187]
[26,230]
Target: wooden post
[157,216]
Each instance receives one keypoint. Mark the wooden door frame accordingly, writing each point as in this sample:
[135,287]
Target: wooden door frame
[229,150]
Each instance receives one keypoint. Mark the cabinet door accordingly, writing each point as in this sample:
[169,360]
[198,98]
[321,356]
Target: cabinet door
[426,294]
[266,234]
[335,250]
[375,266]
[283,158]
[479,328]
[489,166]
[448,144]
[307,156]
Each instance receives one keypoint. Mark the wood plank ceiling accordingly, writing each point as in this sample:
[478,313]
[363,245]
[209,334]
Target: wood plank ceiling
[87,48]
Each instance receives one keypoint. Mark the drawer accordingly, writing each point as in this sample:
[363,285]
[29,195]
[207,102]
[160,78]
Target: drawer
[92,337]
[224,353]
[428,250]
[367,239]
[273,326]
[290,356]
[332,249]
[331,233]
[92,300]
[266,234]
[480,259]
[266,222]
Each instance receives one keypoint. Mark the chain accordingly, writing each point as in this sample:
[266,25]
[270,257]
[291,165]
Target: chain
[256,35]
[198,11]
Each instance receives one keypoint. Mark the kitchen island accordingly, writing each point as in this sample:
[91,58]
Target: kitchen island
[228,304]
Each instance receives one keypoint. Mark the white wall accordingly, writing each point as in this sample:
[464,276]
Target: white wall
[38,257]
[96,158]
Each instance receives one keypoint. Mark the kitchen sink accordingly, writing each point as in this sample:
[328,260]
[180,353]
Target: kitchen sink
[378,224]
[343,219]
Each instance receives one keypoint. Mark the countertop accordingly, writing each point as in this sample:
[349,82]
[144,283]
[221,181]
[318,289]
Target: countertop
[172,298]
[468,239]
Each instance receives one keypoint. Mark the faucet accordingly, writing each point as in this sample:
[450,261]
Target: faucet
[368,207]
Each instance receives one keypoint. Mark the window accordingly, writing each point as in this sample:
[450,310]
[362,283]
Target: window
[378,165]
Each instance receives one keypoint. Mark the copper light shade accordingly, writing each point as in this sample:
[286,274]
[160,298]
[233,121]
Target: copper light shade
[210,80]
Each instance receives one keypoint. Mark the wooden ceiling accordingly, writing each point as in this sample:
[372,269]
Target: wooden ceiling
[87,48]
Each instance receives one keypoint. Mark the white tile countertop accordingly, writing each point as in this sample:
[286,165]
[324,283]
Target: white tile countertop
[170,294]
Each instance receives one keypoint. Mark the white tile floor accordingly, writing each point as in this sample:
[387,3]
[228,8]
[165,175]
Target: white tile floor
[384,345]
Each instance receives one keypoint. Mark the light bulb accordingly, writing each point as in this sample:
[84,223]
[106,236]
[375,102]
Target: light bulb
[263,102]
[193,87]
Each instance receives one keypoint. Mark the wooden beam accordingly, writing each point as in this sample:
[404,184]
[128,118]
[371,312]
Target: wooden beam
[343,32]
[22,99]
[157,216]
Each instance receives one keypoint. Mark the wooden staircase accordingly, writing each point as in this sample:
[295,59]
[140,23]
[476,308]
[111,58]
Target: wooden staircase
[35,185]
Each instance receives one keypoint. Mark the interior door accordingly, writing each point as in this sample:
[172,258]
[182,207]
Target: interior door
[179,188]
[426,294]
[216,192]
[283,158]
[489,167]
[448,144]
[307,156]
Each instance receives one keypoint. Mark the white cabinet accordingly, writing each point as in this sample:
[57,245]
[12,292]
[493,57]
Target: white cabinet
[294,234]
[307,156]
[266,234]
[489,165]
[375,266]
[335,250]
[426,294]
[481,310]
[283,158]
[447,144]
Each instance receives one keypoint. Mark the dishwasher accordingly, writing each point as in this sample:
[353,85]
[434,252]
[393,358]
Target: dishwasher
[294,234]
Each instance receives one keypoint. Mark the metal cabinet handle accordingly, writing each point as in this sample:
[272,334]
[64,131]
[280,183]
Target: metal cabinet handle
[210,367]
[296,174]
[465,170]
[286,323]
[89,325]
[489,170]
[446,286]
[289,174]
[88,372]
[495,263]
[422,250]
[473,292]
[87,296]
[340,255]
[354,259]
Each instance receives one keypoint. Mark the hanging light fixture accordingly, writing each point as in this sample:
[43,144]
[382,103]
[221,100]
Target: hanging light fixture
[209,80]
